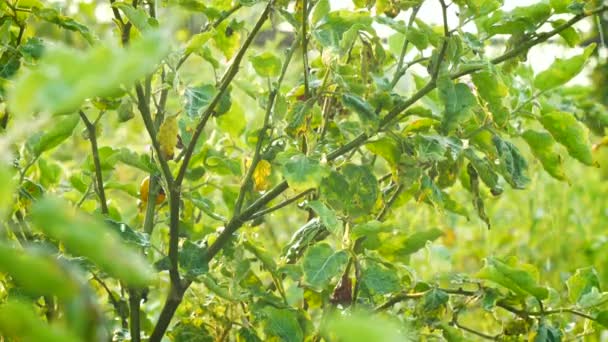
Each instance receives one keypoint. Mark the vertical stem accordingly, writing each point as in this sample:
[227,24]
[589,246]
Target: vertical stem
[91,129]
[305,48]
[134,327]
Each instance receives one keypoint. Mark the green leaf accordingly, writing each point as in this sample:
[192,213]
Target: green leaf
[562,70]
[320,264]
[494,92]
[83,235]
[20,322]
[305,236]
[227,39]
[418,240]
[266,64]
[331,29]
[570,34]
[193,260]
[37,273]
[282,323]
[65,77]
[602,318]
[519,278]
[128,234]
[41,142]
[7,189]
[484,168]
[361,327]
[371,232]
[137,16]
[366,113]
[546,333]
[543,148]
[457,99]
[303,173]
[362,189]
[477,199]
[53,16]
[512,165]
[328,217]
[582,282]
[434,299]
[188,331]
[263,255]
[378,279]
[200,96]
[32,48]
[206,206]
[569,132]
[387,148]
[234,121]
[320,11]
[140,161]
[418,38]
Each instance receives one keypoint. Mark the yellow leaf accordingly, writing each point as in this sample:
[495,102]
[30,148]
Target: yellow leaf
[261,176]
[167,136]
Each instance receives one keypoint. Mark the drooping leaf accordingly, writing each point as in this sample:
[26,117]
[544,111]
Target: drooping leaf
[365,111]
[543,148]
[513,166]
[570,133]
[562,70]
[457,99]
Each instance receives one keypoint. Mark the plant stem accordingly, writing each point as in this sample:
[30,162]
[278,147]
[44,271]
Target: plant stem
[262,135]
[400,70]
[305,48]
[281,205]
[91,129]
[134,320]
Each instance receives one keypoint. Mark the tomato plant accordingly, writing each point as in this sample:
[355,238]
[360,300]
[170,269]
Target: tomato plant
[304,157]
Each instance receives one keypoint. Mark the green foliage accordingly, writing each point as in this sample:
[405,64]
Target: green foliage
[299,171]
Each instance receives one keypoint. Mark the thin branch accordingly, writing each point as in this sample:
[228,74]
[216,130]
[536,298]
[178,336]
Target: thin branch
[390,203]
[262,134]
[281,205]
[91,129]
[305,48]
[400,70]
[475,332]
[226,80]
[144,110]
